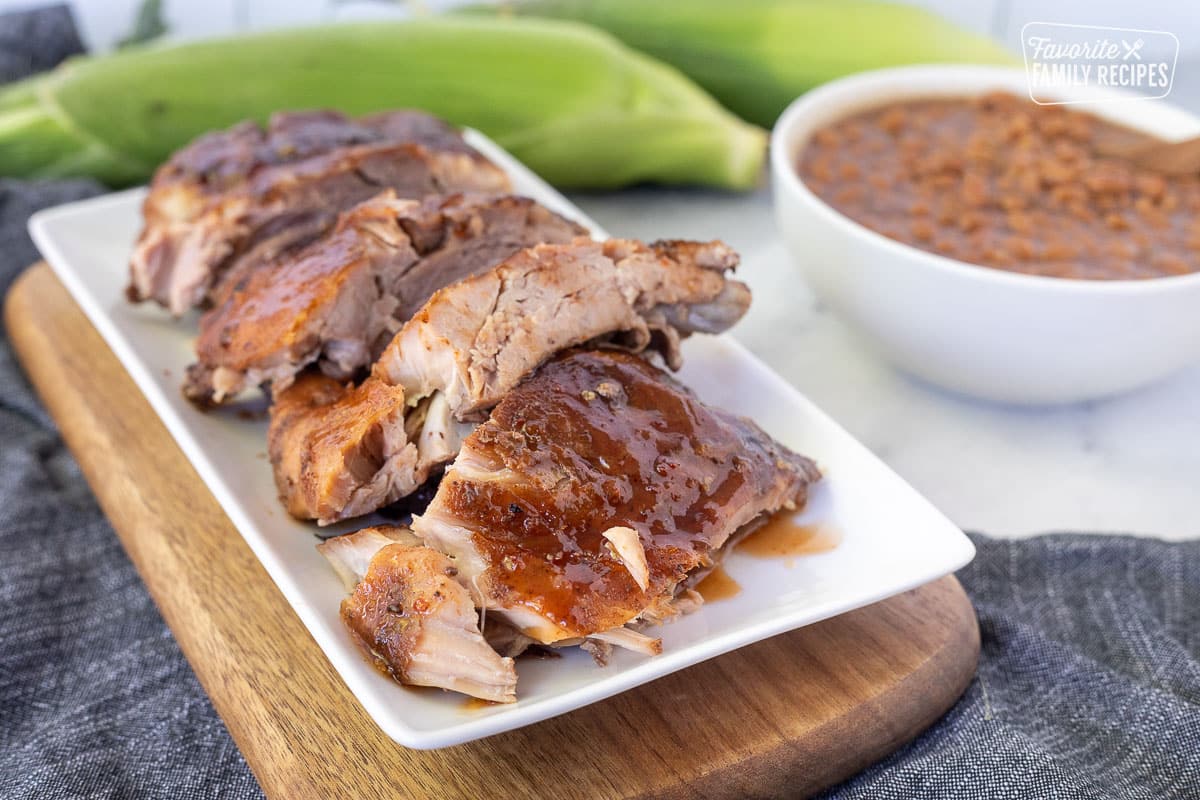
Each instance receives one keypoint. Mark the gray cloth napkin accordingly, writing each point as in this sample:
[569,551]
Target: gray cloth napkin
[1088,682]
[1088,686]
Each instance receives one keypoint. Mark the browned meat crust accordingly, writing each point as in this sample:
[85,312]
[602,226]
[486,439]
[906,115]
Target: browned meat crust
[418,623]
[347,442]
[474,341]
[593,477]
[237,199]
[338,302]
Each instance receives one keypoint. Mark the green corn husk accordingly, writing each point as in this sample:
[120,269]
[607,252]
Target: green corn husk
[756,56]
[571,102]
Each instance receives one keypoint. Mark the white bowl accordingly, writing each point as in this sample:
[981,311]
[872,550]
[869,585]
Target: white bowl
[998,335]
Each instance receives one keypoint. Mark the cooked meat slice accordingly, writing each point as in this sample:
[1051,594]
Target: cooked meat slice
[339,301]
[504,639]
[355,437]
[626,543]
[414,619]
[351,553]
[535,510]
[473,342]
[629,639]
[237,199]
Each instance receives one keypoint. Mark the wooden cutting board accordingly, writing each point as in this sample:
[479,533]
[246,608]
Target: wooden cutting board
[785,717]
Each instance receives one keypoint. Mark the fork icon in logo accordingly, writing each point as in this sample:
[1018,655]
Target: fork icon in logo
[1132,49]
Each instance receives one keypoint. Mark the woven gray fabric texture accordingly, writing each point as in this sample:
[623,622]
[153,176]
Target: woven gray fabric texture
[95,698]
[32,41]
[96,701]
[1089,683]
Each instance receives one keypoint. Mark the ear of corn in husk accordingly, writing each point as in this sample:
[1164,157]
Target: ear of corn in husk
[571,102]
[756,56]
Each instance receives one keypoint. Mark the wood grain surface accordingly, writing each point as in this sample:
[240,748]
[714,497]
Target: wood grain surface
[785,717]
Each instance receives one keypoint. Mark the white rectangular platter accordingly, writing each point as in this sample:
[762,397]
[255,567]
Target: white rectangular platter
[892,538]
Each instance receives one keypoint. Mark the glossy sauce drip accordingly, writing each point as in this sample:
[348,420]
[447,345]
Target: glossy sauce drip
[477,704]
[596,440]
[783,537]
[717,585]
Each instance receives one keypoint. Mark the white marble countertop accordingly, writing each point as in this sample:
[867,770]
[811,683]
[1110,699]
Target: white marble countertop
[1125,465]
